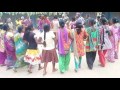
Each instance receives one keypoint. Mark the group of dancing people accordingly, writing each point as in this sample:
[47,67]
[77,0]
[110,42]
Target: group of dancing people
[54,41]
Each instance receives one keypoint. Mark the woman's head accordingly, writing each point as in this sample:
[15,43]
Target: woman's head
[1,26]
[5,27]
[103,21]
[79,27]
[92,21]
[55,17]
[30,27]
[73,19]
[20,29]
[46,27]
[114,20]
[62,23]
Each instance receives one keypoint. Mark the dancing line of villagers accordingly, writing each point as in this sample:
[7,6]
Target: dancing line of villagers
[55,40]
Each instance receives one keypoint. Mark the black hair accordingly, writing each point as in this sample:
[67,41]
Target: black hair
[103,20]
[92,21]
[62,23]
[6,27]
[73,18]
[102,15]
[114,20]
[98,17]
[88,15]
[1,26]
[46,29]
[55,17]
[27,32]
[79,26]
[20,28]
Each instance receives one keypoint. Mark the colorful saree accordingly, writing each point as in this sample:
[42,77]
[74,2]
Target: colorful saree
[10,49]
[21,48]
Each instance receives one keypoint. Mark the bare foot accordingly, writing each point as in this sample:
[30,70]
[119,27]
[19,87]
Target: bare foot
[40,68]
[101,65]
[29,71]
[14,70]
[44,73]
[76,70]
[111,61]
[54,70]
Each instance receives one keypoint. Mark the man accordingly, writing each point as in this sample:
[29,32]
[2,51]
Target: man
[79,18]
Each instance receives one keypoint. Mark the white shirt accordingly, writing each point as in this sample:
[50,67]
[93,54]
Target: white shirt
[81,19]
[50,44]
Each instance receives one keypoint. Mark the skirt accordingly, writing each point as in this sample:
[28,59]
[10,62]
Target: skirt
[49,55]
[2,57]
[32,57]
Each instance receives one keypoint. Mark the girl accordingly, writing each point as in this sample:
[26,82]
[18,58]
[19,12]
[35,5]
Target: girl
[9,47]
[63,47]
[104,43]
[32,54]
[79,35]
[21,48]
[114,38]
[2,46]
[91,43]
[49,51]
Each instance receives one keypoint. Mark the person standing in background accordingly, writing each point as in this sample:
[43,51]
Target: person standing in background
[55,25]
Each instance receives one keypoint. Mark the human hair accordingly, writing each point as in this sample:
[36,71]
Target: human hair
[6,27]
[55,17]
[102,15]
[73,18]
[62,23]
[114,20]
[20,28]
[27,32]
[46,29]
[103,21]
[92,21]
[79,27]
[1,26]
[98,17]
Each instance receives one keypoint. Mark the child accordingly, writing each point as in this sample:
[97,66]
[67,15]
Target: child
[32,55]
[49,51]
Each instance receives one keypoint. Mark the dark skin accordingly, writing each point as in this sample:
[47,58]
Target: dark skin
[45,63]
[30,66]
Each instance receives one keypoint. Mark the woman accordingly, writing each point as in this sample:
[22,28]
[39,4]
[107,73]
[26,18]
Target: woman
[49,51]
[32,54]
[91,43]
[9,47]
[2,46]
[63,47]
[114,38]
[104,43]
[79,35]
[20,47]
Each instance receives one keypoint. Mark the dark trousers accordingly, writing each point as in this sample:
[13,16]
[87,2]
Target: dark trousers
[90,57]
